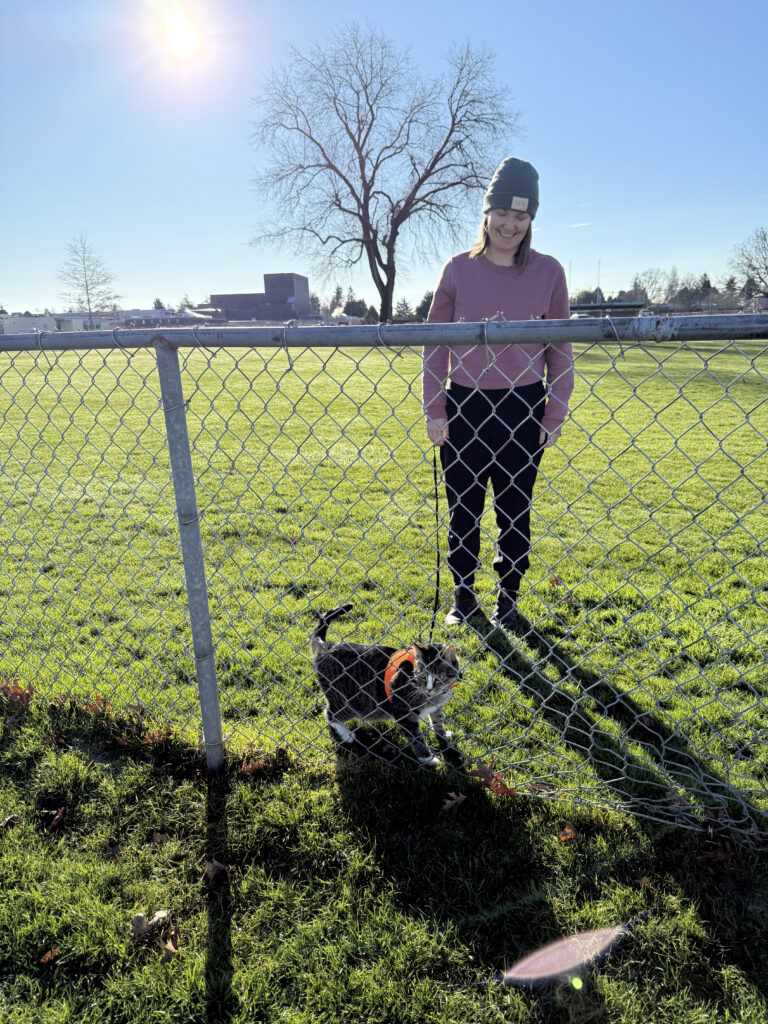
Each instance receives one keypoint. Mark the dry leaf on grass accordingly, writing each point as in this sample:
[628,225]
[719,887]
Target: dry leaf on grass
[159,839]
[569,832]
[543,787]
[721,853]
[142,927]
[56,821]
[453,800]
[217,873]
[492,780]
[50,956]
[16,695]
[169,947]
[52,739]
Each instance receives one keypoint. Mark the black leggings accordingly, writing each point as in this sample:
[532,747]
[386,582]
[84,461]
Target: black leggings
[492,436]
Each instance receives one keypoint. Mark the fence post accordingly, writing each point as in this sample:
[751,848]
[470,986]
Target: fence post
[175,412]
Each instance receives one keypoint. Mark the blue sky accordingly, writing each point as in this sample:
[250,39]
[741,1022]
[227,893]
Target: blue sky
[644,121]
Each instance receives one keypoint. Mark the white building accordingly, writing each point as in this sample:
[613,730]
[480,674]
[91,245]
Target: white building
[29,323]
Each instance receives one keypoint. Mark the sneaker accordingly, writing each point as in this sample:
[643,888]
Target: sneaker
[464,605]
[505,613]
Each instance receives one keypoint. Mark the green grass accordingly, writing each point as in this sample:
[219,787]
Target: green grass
[642,683]
[355,895]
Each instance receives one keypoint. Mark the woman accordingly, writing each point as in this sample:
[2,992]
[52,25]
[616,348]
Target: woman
[489,408]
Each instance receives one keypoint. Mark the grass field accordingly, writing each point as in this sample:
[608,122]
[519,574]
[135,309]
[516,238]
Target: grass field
[642,683]
[364,894]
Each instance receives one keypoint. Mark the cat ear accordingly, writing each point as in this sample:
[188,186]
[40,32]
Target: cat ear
[418,656]
[449,653]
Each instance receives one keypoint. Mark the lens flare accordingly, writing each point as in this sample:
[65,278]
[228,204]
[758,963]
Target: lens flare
[183,38]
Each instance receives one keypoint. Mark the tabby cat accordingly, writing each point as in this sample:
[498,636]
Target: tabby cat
[371,683]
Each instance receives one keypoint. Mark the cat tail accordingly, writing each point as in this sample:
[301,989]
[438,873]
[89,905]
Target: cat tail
[317,640]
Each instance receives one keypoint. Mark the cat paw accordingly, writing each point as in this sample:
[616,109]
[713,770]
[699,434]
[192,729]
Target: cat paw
[430,761]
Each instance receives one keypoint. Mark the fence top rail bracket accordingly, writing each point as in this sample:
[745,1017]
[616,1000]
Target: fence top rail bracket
[585,330]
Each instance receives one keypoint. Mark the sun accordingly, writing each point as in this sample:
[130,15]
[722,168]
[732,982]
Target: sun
[183,38]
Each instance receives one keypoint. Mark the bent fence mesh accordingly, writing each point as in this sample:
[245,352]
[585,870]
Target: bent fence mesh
[638,677]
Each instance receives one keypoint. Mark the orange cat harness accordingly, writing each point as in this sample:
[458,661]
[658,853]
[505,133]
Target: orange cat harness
[393,667]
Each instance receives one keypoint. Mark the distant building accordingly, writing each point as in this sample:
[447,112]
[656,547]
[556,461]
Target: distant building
[285,297]
[29,323]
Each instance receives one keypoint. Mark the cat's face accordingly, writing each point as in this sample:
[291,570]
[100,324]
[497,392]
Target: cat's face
[436,669]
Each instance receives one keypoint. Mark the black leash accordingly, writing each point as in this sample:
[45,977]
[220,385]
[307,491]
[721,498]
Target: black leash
[437,544]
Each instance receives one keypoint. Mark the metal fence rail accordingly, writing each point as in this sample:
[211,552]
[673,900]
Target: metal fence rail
[290,469]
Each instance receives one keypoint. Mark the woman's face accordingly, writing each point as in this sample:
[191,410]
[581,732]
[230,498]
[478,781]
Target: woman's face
[506,230]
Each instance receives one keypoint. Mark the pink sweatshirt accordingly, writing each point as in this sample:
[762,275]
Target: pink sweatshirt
[476,289]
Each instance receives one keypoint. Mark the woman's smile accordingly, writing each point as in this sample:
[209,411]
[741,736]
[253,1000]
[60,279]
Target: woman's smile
[506,230]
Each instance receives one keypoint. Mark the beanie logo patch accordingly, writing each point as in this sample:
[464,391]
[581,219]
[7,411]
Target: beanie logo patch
[519,203]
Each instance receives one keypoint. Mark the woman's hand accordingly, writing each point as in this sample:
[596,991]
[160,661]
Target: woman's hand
[547,438]
[437,431]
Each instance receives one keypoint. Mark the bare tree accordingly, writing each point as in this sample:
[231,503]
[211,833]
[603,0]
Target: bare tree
[750,259]
[88,282]
[367,157]
[652,282]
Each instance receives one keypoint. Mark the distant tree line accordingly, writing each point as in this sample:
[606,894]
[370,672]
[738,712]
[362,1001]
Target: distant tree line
[658,288]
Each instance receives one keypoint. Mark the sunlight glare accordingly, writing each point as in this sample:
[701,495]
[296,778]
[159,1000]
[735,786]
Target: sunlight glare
[183,38]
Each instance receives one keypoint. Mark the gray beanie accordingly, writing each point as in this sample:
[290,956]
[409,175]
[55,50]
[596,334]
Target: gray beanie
[514,186]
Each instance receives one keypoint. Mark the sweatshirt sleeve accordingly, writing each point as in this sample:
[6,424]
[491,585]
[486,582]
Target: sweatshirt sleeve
[559,360]
[435,358]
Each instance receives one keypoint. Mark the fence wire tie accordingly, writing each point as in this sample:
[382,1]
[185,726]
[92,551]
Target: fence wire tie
[39,344]
[287,350]
[173,408]
[185,522]
[621,347]
[119,343]
[485,347]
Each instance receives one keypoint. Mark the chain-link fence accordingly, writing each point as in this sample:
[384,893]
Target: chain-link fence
[296,478]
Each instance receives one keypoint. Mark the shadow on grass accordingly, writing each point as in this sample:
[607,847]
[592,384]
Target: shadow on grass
[221,1004]
[644,786]
[473,871]
[483,872]
[718,882]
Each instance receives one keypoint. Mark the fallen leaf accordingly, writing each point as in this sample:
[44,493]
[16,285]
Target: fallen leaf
[57,819]
[169,950]
[159,839]
[10,821]
[543,787]
[453,800]
[53,739]
[645,880]
[99,707]
[50,956]
[555,581]
[217,873]
[492,780]
[253,766]
[142,927]
[721,853]
[569,832]
[16,695]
